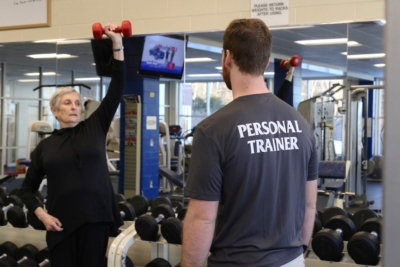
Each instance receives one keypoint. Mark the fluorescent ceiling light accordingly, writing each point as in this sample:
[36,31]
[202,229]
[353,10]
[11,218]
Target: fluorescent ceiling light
[199,59]
[323,41]
[28,80]
[204,47]
[269,73]
[64,41]
[49,41]
[380,65]
[51,56]
[94,64]
[219,68]
[322,69]
[366,56]
[344,53]
[353,43]
[205,75]
[272,28]
[37,74]
[88,79]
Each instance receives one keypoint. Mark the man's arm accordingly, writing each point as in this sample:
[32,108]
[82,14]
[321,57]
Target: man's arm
[309,217]
[198,232]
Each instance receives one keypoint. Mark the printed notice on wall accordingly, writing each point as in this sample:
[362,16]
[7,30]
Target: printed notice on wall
[272,12]
[17,14]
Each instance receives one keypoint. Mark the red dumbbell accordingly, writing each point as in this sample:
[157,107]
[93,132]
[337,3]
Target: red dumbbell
[294,61]
[125,29]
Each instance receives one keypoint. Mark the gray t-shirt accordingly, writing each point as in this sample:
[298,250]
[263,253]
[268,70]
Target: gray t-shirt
[254,156]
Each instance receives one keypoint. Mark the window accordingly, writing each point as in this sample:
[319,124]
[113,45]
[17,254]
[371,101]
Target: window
[199,100]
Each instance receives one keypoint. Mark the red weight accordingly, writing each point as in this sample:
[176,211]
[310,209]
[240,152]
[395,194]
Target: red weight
[283,63]
[97,30]
[125,29]
[295,61]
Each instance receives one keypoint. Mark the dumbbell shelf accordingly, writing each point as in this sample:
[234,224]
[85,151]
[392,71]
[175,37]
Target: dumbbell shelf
[312,260]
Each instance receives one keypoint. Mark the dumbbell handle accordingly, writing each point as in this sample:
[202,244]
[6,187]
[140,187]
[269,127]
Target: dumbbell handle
[4,255]
[43,263]
[374,234]
[6,208]
[159,218]
[339,231]
[22,259]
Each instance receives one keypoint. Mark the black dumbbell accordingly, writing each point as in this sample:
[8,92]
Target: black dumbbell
[328,243]
[160,200]
[42,260]
[23,254]
[127,211]
[140,204]
[10,202]
[119,198]
[128,262]
[18,216]
[362,216]
[317,224]
[331,212]
[147,225]
[171,229]
[158,262]
[8,252]
[364,246]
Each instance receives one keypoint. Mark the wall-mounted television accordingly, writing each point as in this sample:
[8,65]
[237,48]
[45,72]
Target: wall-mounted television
[163,56]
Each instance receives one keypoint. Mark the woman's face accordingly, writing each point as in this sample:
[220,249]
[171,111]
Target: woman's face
[69,110]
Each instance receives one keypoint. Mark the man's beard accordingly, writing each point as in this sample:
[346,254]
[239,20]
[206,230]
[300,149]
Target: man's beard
[226,74]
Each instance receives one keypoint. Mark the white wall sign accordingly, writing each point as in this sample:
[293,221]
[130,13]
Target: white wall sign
[18,14]
[151,123]
[272,12]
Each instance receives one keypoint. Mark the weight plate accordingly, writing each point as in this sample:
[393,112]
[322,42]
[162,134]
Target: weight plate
[331,212]
[7,262]
[28,263]
[127,211]
[373,225]
[317,225]
[158,262]
[164,210]
[364,248]
[147,227]
[43,255]
[9,248]
[128,262]
[3,193]
[14,192]
[160,200]
[16,216]
[328,245]
[3,220]
[28,250]
[344,224]
[15,200]
[362,215]
[171,230]
[140,204]
[119,198]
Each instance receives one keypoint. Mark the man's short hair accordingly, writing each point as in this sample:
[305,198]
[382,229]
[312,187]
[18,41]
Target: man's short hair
[250,43]
[58,94]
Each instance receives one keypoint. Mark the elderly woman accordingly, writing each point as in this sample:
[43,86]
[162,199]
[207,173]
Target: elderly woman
[81,207]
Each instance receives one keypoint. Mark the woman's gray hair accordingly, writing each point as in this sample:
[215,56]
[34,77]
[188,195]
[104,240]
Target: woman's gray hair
[58,94]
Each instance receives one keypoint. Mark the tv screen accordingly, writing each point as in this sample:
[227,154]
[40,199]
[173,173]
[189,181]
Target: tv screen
[163,56]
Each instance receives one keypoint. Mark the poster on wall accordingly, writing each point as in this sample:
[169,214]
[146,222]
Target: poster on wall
[272,12]
[20,14]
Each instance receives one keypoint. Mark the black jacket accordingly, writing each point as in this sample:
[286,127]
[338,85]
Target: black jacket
[74,163]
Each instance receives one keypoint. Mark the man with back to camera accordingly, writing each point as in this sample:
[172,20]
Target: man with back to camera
[252,180]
